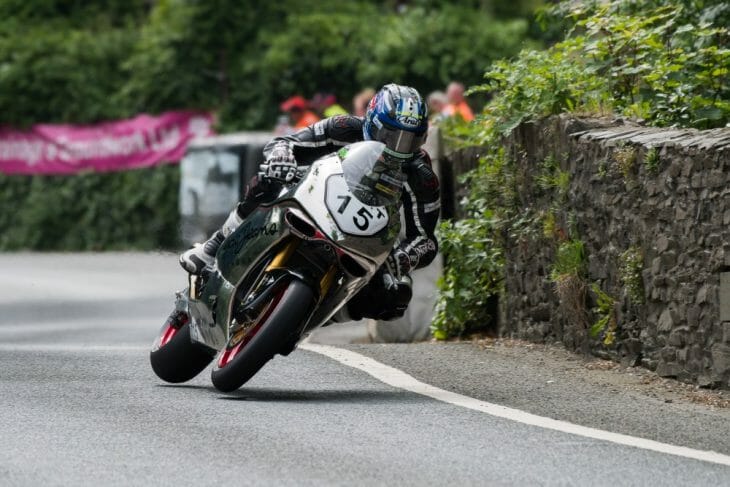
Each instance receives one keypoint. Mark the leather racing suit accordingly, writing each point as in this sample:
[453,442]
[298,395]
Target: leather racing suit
[420,198]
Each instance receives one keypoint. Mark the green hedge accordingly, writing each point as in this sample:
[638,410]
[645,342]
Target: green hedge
[91,211]
[70,61]
[79,62]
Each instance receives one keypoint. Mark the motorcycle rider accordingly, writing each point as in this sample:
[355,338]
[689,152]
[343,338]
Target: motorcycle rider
[396,116]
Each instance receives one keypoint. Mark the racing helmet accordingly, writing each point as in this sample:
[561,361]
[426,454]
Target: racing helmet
[397,117]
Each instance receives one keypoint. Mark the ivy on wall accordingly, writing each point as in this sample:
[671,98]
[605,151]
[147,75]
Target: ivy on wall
[664,62]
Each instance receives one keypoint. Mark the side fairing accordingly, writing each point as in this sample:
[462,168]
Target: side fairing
[211,313]
[205,325]
[257,234]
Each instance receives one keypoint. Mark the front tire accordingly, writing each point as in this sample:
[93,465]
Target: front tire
[237,363]
[175,358]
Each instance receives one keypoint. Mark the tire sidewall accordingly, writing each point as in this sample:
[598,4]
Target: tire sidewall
[284,320]
[180,359]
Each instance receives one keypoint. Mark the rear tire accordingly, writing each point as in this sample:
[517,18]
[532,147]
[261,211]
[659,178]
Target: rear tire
[179,359]
[293,305]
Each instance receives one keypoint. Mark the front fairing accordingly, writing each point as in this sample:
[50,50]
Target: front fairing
[311,194]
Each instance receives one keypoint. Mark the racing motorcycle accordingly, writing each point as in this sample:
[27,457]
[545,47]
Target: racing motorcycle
[286,270]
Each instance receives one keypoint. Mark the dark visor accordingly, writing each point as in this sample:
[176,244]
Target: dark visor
[400,141]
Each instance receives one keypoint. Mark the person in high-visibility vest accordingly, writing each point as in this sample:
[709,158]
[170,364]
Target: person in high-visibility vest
[457,104]
[298,109]
[326,105]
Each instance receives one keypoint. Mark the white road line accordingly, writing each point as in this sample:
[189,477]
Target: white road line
[397,378]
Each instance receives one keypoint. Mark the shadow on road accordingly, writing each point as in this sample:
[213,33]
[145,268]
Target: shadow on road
[325,396]
[186,386]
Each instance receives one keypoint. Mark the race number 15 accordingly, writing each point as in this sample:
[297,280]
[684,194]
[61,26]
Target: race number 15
[351,215]
[363,216]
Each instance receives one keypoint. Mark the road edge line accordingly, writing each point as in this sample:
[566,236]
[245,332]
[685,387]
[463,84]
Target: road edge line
[401,380]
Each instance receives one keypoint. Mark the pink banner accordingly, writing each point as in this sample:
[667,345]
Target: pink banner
[141,141]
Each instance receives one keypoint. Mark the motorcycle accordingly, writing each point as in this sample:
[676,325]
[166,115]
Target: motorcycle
[286,270]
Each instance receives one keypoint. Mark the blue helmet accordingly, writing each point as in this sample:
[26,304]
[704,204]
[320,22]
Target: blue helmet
[397,116]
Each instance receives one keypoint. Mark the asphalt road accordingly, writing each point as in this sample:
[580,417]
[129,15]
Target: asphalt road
[79,405]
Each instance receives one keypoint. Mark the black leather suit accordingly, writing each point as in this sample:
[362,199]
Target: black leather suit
[420,197]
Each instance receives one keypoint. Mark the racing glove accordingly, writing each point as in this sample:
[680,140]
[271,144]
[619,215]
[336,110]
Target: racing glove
[398,263]
[280,165]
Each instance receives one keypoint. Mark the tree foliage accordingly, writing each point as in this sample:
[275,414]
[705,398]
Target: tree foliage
[73,61]
[54,71]
[665,62]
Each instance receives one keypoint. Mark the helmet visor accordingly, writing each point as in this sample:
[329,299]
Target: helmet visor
[400,141]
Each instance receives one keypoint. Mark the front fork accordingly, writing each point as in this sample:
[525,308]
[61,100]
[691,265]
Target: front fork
[193,283]
[280,259]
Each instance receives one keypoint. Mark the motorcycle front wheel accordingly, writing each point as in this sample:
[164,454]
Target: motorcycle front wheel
[249,349]
[175,357]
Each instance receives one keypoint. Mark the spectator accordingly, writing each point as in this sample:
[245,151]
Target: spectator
[326,105]
[299,113]
[361,100]
[457,105]
[283,127]
[437,103]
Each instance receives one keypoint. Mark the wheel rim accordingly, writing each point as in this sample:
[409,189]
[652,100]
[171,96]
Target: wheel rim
[173,325]
[248,333]
[169,332]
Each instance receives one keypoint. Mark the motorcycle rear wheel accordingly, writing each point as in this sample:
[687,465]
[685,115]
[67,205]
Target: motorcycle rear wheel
[237,363]
[175,358]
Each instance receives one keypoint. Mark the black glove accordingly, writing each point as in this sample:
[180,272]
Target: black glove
[395,301]
[280,165]
[398,263]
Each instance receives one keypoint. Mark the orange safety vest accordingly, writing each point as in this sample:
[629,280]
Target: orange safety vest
[308,118]
[461,109]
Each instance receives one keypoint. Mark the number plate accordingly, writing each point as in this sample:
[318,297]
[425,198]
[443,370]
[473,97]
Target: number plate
[350,214]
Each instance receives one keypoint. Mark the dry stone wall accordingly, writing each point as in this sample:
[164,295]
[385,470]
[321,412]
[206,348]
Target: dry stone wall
[659,195]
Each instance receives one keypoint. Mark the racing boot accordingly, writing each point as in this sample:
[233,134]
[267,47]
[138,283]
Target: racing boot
[384,298]
[197,258]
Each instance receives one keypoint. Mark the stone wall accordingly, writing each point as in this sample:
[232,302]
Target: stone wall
[662,194]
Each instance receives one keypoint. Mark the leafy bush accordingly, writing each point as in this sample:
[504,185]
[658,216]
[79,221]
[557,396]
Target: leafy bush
[462,304]
[568,276]
[605,325]
[473,249]
[540,83]
[134,209]
[85,61]
[665,62]
[553,178]
[61,75]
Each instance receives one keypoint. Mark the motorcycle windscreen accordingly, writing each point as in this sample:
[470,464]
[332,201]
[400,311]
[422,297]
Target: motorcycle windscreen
[373,177]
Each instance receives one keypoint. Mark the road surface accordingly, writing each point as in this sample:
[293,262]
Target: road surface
[79,404]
